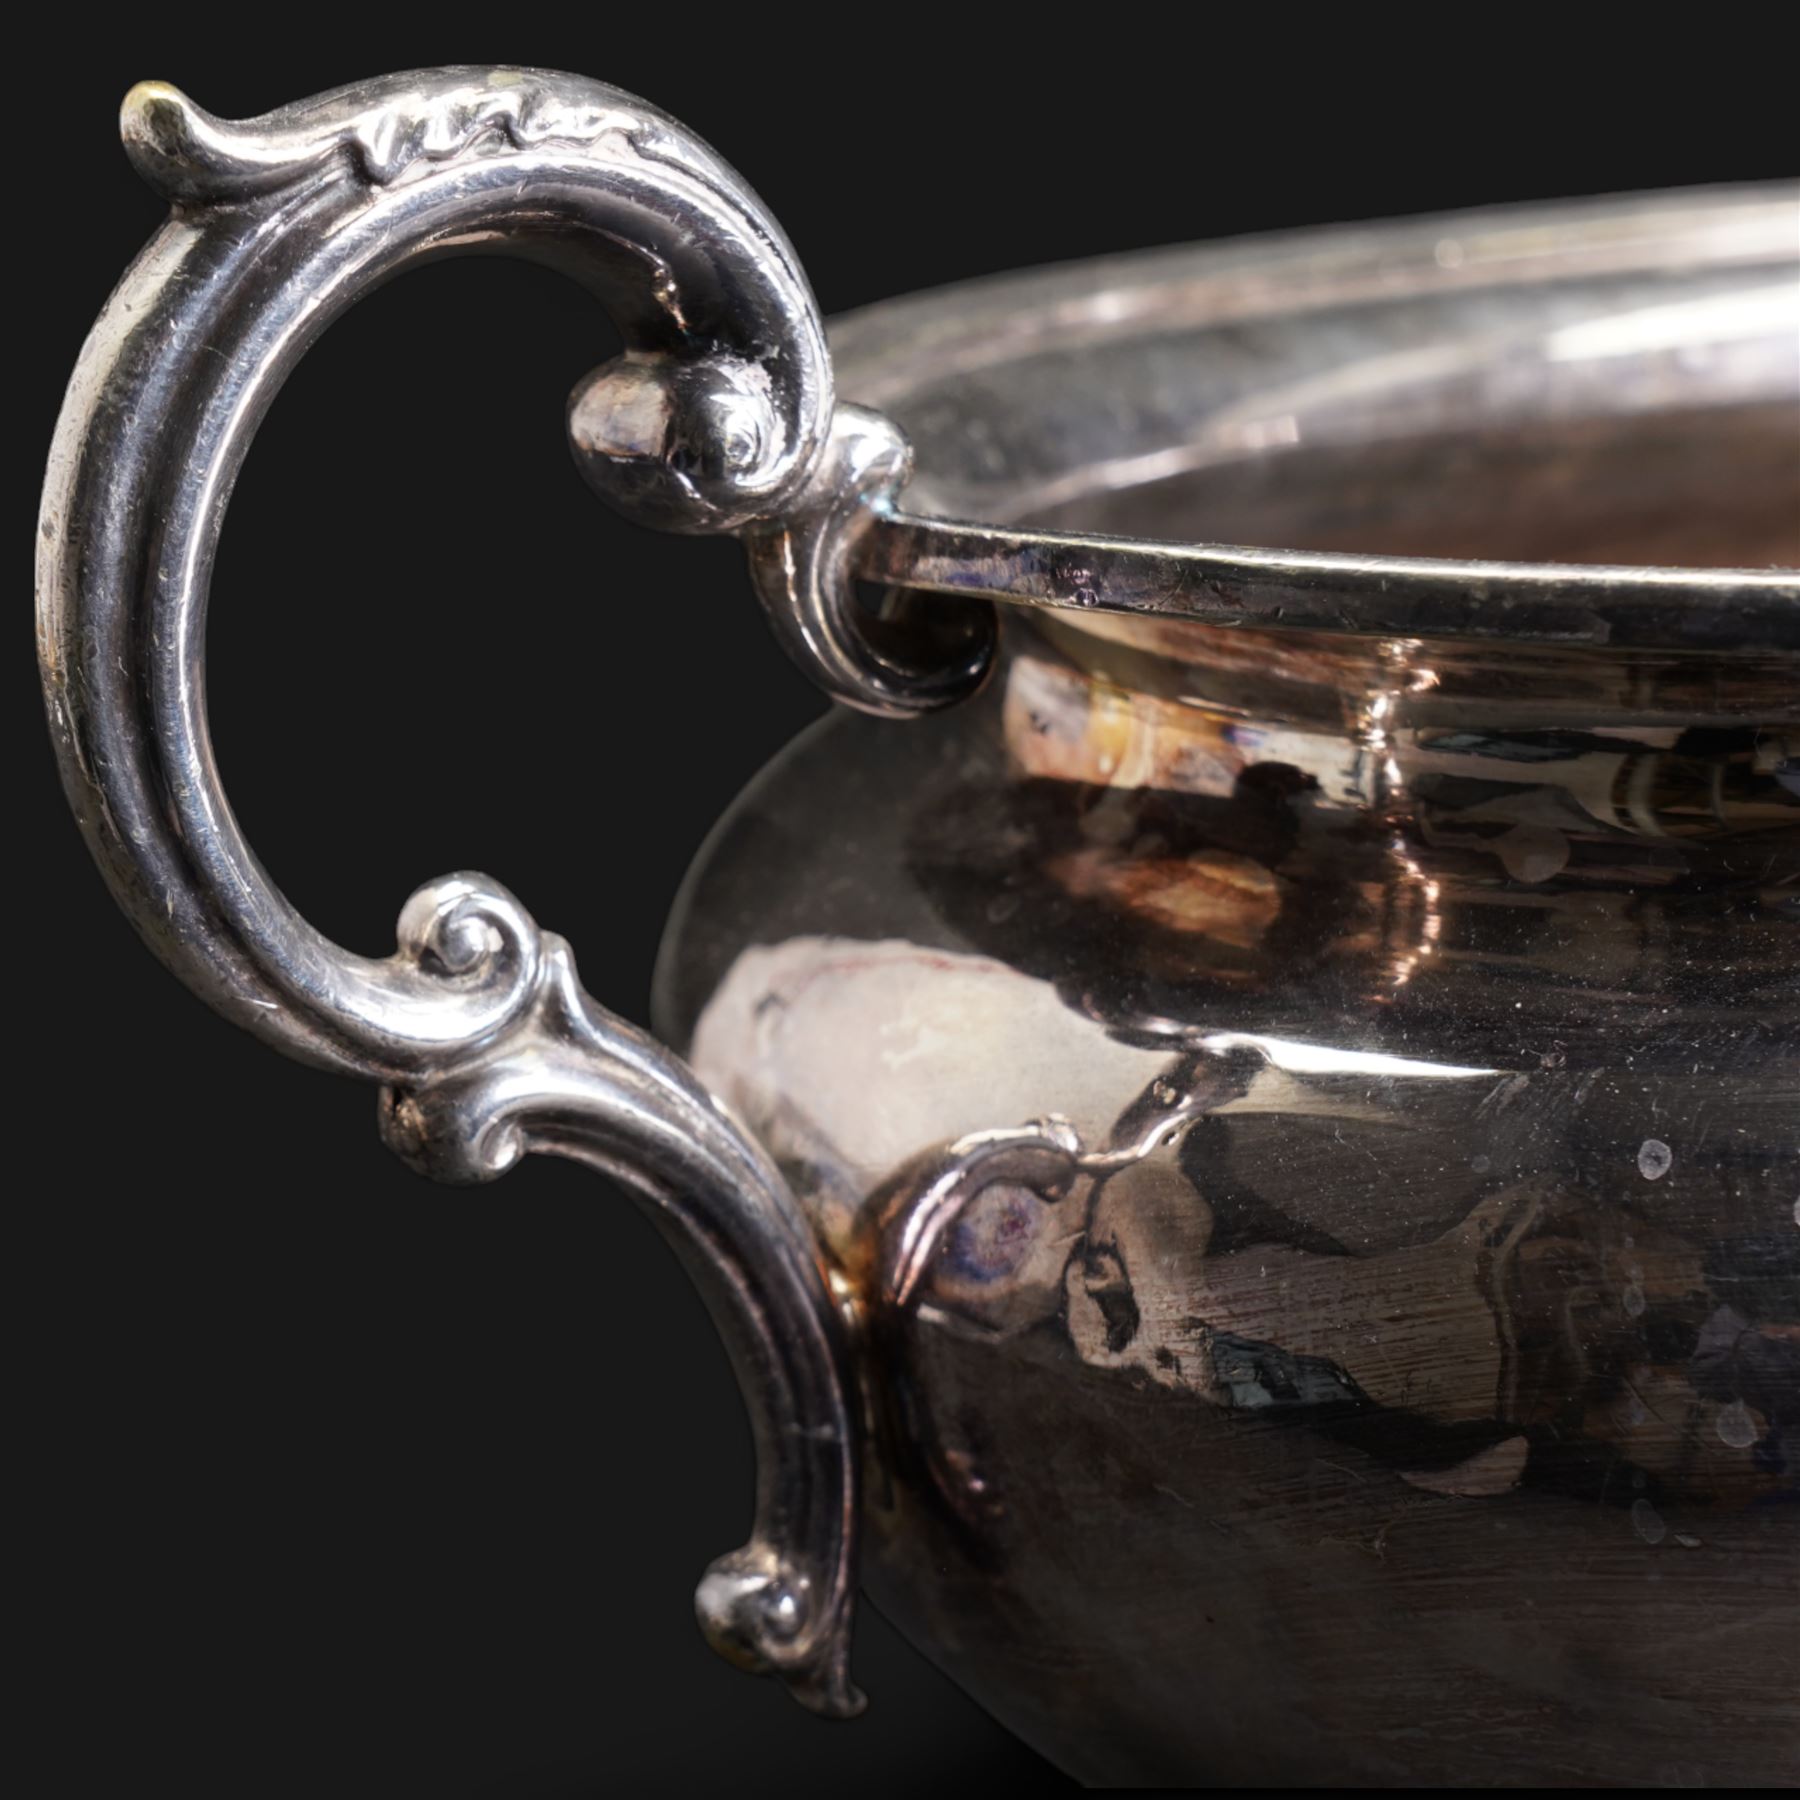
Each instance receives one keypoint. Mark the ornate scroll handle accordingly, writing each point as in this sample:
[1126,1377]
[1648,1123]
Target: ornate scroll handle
[719,416]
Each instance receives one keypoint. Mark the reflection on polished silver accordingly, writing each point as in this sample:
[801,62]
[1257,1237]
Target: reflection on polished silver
[1255,1159]
[714,418]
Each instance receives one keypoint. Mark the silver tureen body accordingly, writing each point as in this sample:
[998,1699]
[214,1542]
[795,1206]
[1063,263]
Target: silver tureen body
[1252,1158]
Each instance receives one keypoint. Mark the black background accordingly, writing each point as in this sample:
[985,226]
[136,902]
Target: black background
[343,1484]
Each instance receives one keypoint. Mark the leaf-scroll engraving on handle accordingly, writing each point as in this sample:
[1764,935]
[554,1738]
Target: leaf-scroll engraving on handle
[716,418]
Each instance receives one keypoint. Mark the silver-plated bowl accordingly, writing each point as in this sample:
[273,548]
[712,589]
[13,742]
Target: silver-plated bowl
[1255,1154]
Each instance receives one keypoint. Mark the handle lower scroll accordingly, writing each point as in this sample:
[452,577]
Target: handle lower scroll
[568,1078]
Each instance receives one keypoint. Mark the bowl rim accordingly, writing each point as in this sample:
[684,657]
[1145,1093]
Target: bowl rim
[887,353]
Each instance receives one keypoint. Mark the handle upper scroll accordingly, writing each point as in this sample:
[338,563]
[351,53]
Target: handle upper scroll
[719,416]
[715,416]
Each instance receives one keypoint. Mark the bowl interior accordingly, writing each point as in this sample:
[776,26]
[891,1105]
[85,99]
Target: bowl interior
[1608,382]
